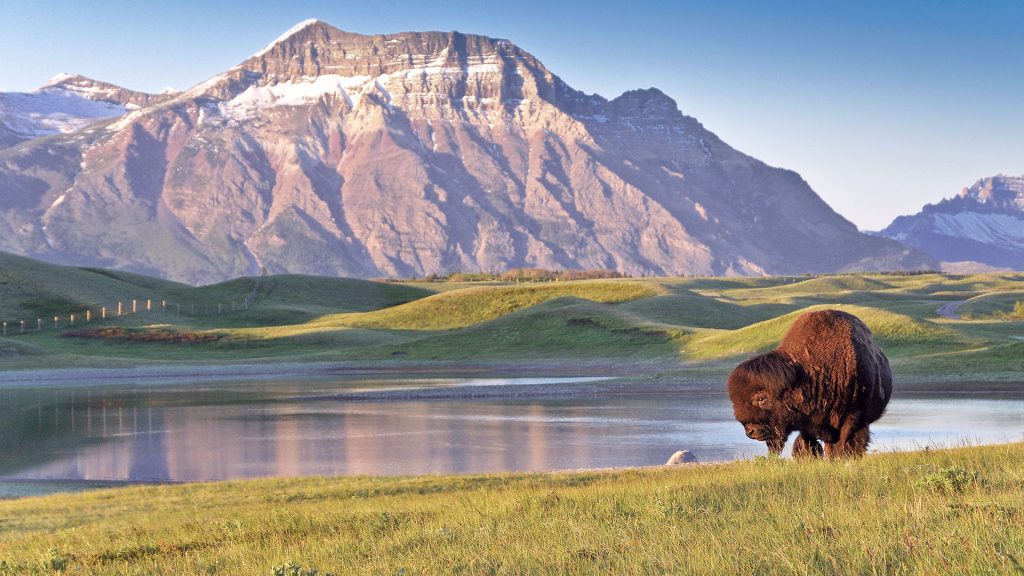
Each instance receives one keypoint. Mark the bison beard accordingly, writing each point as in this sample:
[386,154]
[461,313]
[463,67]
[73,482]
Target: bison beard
[827,380]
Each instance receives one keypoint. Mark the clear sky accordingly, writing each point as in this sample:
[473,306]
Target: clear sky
[882,106]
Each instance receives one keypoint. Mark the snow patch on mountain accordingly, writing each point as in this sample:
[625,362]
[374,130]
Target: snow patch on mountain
[418,65]
[986,228]
[60,200]
[256,97]
[54,111]
[82,86]
[983,224]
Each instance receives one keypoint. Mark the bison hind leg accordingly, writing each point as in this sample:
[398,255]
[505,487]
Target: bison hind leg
[807,447]
[858,445]
[854,447]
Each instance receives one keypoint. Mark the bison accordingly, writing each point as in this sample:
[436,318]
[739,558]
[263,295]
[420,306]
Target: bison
[827,380]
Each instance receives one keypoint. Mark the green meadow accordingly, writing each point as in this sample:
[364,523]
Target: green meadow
[699,322]
[955,511]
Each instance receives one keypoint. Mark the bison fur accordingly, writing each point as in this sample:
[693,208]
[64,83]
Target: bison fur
[827,380]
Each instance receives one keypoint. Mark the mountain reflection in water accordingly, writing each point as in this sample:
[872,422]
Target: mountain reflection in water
[210,433]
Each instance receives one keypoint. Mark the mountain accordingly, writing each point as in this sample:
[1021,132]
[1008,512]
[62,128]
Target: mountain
[982,226]
[335,153]
[66,104]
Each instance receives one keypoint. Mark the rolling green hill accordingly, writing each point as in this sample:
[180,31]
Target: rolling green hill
[703,321]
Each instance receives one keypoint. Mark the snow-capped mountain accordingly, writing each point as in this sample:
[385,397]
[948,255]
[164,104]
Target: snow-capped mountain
[391,155]
[983,224]
[66,104]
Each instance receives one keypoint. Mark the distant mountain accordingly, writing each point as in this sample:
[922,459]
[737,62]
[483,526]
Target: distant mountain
[66,104]
[335,153]
[983,226]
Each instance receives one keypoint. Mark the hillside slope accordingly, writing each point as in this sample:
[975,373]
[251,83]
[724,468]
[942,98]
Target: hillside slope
[704,322]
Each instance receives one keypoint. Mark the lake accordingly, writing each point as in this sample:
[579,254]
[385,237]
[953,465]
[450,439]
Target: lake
[56,438]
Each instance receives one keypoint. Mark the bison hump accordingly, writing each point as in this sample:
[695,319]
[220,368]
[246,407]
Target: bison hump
[827,343]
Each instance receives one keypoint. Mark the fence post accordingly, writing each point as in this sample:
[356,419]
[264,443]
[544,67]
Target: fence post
[5,328]
[56,322]
[163,306]
[88,314]
[135,306]
[120,308]
[39,325]
[149,305]
[103,312]
[72,319]
[23,326]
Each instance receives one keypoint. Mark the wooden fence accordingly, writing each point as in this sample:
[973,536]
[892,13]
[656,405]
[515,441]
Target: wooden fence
[119,310]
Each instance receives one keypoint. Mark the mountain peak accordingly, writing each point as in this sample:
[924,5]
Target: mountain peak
[321,47]
[649,102]
[983,224]
[73,82]
[288,34]
[1000,191]
[62,78]
[95,90]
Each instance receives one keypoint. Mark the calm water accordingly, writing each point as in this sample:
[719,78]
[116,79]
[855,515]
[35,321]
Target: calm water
[213,432]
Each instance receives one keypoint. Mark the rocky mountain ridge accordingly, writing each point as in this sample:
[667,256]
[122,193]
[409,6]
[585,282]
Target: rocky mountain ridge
[65,104]
[983,224]
[337,153]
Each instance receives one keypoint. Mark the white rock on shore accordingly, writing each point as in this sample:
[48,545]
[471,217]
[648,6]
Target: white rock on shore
[681,457]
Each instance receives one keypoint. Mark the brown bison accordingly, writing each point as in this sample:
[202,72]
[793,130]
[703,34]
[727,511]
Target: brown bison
[827,380]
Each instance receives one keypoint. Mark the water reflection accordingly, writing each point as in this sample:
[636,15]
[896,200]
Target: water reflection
[187,434]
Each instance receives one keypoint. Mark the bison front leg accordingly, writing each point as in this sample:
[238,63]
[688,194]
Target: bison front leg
[776,444]
[806,446]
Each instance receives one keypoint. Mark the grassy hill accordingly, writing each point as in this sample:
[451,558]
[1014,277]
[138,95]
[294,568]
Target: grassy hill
[931,512]
[30,289]
[704,321]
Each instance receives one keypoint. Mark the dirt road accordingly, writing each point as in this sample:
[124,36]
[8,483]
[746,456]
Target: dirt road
[950,310]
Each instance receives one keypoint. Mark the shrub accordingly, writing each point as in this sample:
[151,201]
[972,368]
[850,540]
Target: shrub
[158,335]
[293,569]
[58,562]
[949,480]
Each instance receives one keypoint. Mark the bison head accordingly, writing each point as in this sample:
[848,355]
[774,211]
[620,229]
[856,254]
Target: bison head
[766,397]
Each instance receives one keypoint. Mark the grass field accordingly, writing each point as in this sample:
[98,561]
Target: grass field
[704,322]
[931,512]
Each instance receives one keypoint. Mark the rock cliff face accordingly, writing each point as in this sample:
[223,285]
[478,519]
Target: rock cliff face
[395,155]
[983,225]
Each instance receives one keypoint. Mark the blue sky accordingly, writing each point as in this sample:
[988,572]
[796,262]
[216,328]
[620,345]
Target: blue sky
[881,106]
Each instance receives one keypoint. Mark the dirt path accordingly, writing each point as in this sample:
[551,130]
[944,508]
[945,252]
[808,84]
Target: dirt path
[950,310]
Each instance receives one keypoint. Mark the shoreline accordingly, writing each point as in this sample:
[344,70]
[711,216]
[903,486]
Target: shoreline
[271,369]
[79,485]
